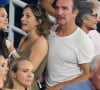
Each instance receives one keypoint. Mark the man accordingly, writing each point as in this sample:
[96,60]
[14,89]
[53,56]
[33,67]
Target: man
[70,48]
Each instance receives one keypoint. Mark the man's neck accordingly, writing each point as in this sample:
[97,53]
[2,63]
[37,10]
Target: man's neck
[65,30]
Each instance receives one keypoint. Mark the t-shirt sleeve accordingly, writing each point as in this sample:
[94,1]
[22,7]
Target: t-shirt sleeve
[85,51]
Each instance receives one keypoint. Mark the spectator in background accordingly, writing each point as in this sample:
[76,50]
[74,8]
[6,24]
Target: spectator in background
[49,6]
[70,48]
[21,75]
[87,19]
[3,71]
[35,23]
[95,34]
[6,48]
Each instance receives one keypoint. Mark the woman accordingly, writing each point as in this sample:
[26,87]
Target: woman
[34,46]
[6,48]
[20,75]
[3,71]
[87,17]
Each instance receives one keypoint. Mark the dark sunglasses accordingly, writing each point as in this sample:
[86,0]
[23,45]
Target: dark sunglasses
[94,15]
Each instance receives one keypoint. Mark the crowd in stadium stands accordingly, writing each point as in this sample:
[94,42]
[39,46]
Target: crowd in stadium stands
[61,50]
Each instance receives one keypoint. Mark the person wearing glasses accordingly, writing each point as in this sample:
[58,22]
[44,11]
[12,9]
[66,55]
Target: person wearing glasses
[87,19]
[95,33]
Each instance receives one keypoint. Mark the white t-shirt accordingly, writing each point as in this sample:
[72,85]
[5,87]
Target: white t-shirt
[95,36]
[65,55]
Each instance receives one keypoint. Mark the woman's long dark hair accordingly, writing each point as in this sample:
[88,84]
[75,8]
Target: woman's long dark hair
[3,47]
[40,14]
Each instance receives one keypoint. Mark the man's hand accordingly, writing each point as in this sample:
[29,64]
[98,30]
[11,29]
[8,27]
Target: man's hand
[55,87]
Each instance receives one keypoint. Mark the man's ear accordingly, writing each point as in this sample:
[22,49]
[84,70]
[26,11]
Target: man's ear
[75,12]
[13,74]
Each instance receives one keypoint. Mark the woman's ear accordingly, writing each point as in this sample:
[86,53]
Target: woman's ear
[40,21]
[13,74]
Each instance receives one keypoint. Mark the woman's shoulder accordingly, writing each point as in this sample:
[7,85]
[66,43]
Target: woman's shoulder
[40,44]
[41,41]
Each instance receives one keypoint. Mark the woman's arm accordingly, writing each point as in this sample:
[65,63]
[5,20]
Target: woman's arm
[38,52]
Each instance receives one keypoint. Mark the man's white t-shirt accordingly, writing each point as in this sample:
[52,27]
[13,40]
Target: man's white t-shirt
[65,55]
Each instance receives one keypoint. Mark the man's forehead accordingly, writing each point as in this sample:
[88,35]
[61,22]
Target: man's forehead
[66,2]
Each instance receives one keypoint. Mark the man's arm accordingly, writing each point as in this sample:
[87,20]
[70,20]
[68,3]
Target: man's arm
[83,77]
[47,4]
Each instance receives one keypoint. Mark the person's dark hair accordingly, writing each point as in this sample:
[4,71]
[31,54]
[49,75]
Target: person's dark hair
[40,13]
[85,10]
[13,67]
[3,47]
[2,6]
[76,4]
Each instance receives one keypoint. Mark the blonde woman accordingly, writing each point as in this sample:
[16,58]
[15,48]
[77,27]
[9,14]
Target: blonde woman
[21,75]
[3,71]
